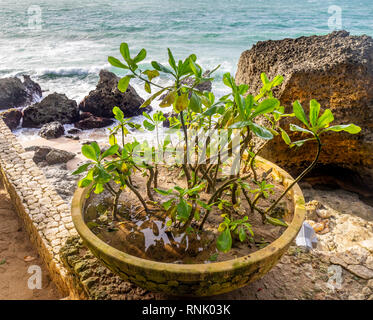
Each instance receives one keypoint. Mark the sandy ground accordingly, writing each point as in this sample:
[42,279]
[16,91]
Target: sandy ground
[17,255]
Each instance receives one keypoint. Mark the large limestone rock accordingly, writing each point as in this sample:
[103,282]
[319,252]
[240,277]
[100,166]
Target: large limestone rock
[54,107]
[337,70]
[101,101]
[15,93]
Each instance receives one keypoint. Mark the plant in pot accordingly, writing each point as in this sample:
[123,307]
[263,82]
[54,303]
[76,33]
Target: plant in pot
[196,211]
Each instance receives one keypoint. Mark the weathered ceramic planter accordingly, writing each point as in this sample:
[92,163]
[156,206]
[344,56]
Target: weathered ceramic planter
[193,279]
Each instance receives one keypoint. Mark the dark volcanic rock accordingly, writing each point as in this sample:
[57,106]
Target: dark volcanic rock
[50,155]
[101,101]
[54,107]
[56,156]
[52,130]
[15,93]
[12,118]
[335,69]
[74,131]
[90,122]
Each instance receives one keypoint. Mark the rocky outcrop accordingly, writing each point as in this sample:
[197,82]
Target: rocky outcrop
[101,101]
[89,121]
[335,69]
[52,130]
[12,118]
[15,93]
[54,107]
[44,155]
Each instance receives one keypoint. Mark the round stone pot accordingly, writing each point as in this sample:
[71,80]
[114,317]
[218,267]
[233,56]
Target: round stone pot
[194,279]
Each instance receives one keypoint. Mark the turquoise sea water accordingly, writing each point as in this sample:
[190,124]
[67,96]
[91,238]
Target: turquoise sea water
[76,37]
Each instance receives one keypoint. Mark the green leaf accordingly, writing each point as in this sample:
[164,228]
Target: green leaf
[168,100]
[109,152]
[314,112]
[261,131]
[299,112]
[84,183]
[276,222]
[264,78]
[325,119]
[89,152]
[224,241]
[112,139]
[160,67]
[242,88]
[149,126]
[195,103]
[265,106]
[171,60]
[167,205]
[116,63]
[300,143]
[163,192]
[294,127]
[350,128]
[151,74]
[277,81]
[99,188]
[81,169]
[195,189]
[96,148]
[285,136]
[124,50]
[183,210]
[242,234]
[102,176]
[141,56]
[123,83]
[228,80]
[118,114]
[214,110]
[195,68]
[240,124]
[181,102]
[147,87]
[152,98]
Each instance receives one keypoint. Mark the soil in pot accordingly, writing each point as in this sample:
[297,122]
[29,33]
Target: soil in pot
[148,236]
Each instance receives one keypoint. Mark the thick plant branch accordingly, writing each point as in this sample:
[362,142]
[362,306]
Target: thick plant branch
[138,195]
[308,169]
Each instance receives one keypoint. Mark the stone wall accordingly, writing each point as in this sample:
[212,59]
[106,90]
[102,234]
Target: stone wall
[45,215]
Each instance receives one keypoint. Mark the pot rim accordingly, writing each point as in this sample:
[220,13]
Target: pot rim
[280,243]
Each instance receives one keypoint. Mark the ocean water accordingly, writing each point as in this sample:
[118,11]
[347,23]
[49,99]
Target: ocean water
[63,44]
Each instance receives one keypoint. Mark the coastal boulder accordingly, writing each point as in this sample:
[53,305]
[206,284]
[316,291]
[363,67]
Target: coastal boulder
[337,71]
[50,156]
[90,121]
[54,107]
[12,118]
[101,101]
[52,130]
[15,93]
